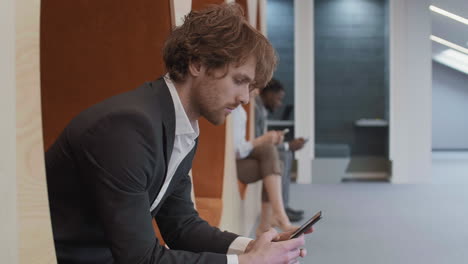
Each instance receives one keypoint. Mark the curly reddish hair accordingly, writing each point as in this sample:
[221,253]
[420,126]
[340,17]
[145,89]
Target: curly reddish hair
[218,37]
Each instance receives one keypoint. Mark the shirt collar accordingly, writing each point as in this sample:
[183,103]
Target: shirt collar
[183,124]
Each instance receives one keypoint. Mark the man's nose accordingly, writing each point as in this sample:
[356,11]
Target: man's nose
[244,96]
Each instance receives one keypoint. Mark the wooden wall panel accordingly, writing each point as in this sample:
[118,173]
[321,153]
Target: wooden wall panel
[243,4]
[249,109]
[208,165]
[91,50]
[215,176]
[8,191]
[35,233]
[259,18]
[200,4]
[179,9]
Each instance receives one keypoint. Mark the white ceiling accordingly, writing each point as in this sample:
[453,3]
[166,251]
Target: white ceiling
[447,28]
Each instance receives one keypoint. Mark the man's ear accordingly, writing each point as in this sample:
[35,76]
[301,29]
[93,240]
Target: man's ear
[195,68]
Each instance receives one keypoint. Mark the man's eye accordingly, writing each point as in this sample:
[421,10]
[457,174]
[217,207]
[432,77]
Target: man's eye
[236,81]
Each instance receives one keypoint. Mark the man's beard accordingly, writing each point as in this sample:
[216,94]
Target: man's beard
[214,117]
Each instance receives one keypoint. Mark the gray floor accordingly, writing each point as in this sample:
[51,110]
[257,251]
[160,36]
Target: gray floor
[450,167]
[380,223]
[384,223]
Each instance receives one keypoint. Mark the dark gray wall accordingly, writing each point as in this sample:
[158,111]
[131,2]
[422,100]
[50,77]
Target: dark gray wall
[280,31]
[350,72]
[449,108]
[387,61]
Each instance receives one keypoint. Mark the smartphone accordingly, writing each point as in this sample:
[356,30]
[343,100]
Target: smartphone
[306,225]
[285,131]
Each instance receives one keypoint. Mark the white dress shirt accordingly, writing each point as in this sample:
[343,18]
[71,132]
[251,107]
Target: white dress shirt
[185,134]
[263,112]
[239,122]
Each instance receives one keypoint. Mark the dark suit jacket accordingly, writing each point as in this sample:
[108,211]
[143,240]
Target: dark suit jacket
[104,172]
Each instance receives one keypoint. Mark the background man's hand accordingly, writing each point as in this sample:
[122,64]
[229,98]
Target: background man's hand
[270,137]
[296,144]
[265,250]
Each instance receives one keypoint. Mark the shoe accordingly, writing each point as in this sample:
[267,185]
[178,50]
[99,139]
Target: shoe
[289,210]
[294,217]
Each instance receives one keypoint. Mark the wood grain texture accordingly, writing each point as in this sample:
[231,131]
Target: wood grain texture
[8,192]
[243,4]
[200,4]
[91,50]
[259,21]
[208,164]
[35,233]
[252,6]
[210,209]
[241,203]
[238,215]
[249,109]
[179,9]
[157,232]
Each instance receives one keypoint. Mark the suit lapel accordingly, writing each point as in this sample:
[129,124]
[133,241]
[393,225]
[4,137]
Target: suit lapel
[168,134]
[167,114]
[181,171]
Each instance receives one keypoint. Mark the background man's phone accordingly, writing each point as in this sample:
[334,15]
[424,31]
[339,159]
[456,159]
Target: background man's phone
[306,225]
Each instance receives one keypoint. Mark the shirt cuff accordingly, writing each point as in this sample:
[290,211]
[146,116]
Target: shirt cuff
[239,245]
[232,259]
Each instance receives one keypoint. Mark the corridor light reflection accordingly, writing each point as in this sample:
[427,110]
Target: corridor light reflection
[448,14]
[449,44]
[453,59]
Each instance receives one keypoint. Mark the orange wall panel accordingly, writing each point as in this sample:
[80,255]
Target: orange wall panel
[243,4]
[91,50]
[200,4]
[208,164]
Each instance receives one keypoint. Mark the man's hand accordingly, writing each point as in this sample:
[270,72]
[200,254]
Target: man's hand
[286,235]
[270,137]
[265,250]
[296,144]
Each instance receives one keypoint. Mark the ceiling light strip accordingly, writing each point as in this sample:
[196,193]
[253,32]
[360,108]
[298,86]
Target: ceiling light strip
[453,59]
[448,14]
[449,44]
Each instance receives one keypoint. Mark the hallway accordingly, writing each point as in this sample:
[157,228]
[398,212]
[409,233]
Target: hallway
[379,223]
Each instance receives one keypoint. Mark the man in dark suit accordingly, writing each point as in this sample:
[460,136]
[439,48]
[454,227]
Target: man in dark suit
[125,160]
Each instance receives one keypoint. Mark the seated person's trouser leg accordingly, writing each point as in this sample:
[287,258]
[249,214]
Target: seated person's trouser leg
[263,161]
[286,157]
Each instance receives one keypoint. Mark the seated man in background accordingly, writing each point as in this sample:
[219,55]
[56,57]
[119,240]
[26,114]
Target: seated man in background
[270,99]
[125,161]
[258,160]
